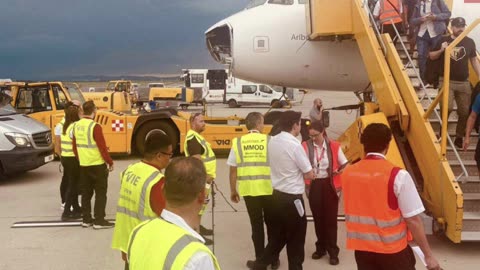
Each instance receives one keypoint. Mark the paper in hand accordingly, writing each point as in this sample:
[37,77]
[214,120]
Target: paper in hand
[420,254]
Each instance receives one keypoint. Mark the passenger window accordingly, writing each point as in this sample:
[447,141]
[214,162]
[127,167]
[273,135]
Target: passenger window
[249,89]
[302,2]
[60,98]
[197,78]
[31,100]
[111,87]
[281,2]
[122,87]
[265,89]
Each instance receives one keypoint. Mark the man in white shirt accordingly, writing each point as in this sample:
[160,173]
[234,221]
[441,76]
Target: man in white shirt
[289,167]
[173,237]
[382,208]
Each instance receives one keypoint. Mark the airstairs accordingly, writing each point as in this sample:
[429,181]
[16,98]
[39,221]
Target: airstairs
[447,178]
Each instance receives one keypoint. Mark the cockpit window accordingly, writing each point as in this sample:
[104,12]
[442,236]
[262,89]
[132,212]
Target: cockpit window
[255,3]
[281,2]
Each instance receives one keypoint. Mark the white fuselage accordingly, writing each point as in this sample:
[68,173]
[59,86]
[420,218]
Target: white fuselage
[268,44]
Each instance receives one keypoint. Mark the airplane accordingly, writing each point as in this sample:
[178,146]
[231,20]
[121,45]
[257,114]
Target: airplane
[268,42]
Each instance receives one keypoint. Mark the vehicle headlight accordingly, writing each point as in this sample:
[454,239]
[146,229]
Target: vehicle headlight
[19,139]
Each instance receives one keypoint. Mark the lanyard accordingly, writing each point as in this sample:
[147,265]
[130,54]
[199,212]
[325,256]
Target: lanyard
[319,158]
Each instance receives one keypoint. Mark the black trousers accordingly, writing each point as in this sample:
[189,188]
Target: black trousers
[259,210]
[323,201]
[288,228]
[388,28]
[94,179]
[63,183]
[403,260]
[71,171]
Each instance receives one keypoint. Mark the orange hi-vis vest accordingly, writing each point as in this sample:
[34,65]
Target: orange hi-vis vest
[389,11]
[372,225]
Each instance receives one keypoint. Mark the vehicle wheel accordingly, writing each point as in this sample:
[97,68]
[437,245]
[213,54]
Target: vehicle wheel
[232,103]
[275,103]
[150,127]
[283,103]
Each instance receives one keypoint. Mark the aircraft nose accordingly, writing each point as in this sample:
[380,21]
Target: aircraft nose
[219,42]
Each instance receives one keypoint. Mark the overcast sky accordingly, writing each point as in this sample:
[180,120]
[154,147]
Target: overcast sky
[45,38]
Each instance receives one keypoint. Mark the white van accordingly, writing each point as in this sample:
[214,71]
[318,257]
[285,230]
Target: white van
[207,84]
[240,92]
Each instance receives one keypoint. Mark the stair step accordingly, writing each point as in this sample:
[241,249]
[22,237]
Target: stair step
[470,236]
[464,155]
[465,163]
[471,196]
[471,148]
[470,166]
[471,202]
[403,55]
[472,184]
[471,221]
[471,215]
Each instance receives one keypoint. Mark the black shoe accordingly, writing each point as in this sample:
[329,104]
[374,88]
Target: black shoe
[103,224]
[334,261]
[458,142]
[67,216]
[276,264]
[250,264]
[76,215]
[205,231]
[208,241]
[318,255]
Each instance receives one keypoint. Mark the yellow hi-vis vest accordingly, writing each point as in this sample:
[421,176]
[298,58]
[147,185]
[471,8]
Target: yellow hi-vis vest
[88,153]
[133,205]
[66,142]
[253,166]
[208,157]
[158,244]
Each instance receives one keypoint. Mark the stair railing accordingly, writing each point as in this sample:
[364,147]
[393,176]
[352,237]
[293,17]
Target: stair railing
[433,103]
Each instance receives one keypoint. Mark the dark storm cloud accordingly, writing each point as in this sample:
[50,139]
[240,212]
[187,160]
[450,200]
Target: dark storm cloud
[44,38]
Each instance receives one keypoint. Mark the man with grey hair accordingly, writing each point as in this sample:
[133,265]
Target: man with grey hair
[316,113]
[172,240]
[249,166]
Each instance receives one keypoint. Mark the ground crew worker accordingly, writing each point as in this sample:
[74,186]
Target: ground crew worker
[249,165]
[382,208]
[196,146]
[289,167]
[171,241]
[58,150]
[141,192]
[71,167]
[316,113]
[327,159]
[90,148]
[386,12]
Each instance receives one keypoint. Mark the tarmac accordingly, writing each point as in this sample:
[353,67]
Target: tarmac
[34,196]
